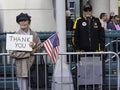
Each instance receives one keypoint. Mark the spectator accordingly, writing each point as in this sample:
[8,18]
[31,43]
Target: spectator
[69,25]
[111,17]
[24,59]
[115,24]
[69,21]
[103,20]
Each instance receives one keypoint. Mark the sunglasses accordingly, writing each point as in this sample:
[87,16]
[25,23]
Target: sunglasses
[87,9]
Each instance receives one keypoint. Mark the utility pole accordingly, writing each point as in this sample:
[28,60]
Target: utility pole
[62,78]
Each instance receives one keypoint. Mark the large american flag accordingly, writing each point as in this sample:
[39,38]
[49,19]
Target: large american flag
[52,47]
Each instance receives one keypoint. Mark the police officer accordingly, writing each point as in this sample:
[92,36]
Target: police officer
[88,34]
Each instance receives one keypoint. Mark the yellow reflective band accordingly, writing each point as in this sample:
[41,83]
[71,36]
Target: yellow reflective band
[99,47]
[74,26]
[73,33]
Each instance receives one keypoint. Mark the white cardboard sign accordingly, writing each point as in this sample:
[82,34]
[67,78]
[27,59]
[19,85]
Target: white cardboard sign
[18,42]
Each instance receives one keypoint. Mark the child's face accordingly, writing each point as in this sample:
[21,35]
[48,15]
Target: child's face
[24,25]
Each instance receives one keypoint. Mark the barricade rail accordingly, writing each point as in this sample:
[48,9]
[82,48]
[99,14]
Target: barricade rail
[69,72]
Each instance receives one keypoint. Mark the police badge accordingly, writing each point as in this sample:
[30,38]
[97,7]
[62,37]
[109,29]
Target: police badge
[84,24]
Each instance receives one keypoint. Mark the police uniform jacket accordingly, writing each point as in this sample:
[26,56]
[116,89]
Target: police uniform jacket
[88,36]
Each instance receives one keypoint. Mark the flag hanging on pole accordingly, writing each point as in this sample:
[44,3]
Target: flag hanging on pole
[52,47]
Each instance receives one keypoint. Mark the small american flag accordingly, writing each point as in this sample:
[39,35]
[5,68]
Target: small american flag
[52,47]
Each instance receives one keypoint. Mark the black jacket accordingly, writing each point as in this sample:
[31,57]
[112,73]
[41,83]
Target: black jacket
[69,24]
[88,37]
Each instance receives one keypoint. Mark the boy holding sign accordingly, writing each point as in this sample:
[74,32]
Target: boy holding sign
[24,59]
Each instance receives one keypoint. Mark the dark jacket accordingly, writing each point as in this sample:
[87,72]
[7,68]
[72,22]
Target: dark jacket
[69,24]
[88,37]
[111,26]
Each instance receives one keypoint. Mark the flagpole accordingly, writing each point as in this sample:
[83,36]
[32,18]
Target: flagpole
[62,78]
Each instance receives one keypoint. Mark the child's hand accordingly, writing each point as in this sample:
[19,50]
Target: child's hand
[32,45]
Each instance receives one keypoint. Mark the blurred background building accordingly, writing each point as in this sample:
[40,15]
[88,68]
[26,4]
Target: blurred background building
[43,12]
[99,6]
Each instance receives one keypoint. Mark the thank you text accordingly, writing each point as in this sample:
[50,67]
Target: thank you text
[18,42]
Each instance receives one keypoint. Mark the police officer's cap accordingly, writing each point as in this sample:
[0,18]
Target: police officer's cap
[87,7]
[23,17]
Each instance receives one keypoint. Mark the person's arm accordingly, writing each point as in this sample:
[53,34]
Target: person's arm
[75,35]
[36,44]
[101,37]
[19,54]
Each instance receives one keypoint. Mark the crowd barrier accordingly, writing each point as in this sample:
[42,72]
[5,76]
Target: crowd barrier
[109,81]
[73,71]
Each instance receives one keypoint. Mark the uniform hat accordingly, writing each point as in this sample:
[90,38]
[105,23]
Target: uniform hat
[87,7]
[23,17]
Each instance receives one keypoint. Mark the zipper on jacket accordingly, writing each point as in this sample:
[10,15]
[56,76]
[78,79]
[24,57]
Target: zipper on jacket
[89,39]
[89,32]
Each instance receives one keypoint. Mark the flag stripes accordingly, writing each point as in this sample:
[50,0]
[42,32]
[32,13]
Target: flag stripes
[52,48]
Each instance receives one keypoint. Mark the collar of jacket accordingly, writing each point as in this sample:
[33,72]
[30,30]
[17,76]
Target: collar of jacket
[86,17]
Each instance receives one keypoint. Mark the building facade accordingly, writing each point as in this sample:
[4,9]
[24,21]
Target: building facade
[99,6]
[43,12]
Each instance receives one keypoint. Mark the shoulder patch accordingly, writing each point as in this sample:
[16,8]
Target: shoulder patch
[96,17]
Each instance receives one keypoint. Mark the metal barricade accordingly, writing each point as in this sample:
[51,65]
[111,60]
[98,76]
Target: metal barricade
[107,76]
[73,71]
[8,79]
